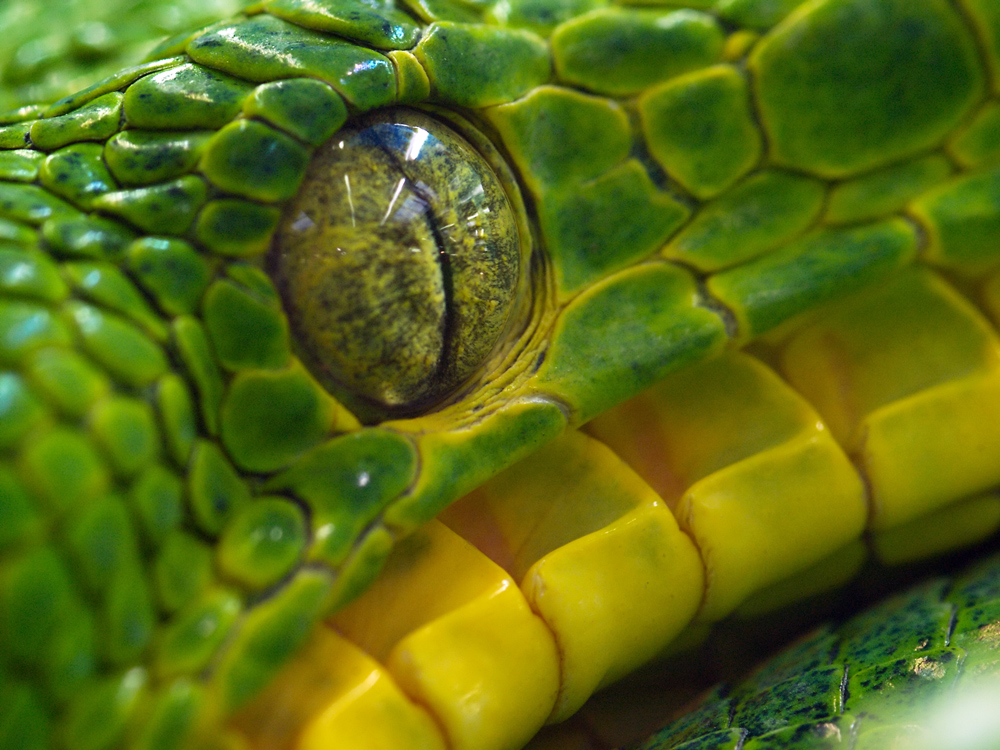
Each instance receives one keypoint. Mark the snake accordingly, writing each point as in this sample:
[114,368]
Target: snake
[403,373]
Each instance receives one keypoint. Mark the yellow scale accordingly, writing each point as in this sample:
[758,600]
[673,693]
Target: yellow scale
[591,557]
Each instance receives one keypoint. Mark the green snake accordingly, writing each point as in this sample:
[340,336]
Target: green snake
[399,374]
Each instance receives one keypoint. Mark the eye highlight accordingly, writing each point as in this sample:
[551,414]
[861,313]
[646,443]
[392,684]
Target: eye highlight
[399,261]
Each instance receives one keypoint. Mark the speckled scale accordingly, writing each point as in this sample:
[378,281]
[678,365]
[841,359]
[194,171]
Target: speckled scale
[701,130]
[476,66]
[264,48]
[20,517]
[247,329]
[917,91]
[705,724]
[726,739]
[20,165]
[87,237]
[889,693]
[105,285]
[21,410]
[900,687]
[760,213]
[78,174]
[235,227]
[32,204]
[346,482]
[619,51]
[165,208]
[30,274]
[196,632]
[156,499]
[98,717]
[832,734]
[262,542]
[975,627]
[186,97]
[811,270]
[305,108]
[250,159]
[215,489]
[606,225]
[271,417]
[95,121]
[147,157]
[26,326]
[171,271]
[912,623]
[955,241]
[755,14]
[102,542]
[127,431]
[63,469]
[37,598]
[809,696]
[182,569]
[176,411]
[271,633]
[811,653]
[977,586]
[539,16]
[379,24]
[885,190]
[120,346]
[196,355]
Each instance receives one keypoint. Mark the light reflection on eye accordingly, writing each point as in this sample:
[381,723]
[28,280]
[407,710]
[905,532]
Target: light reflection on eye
[302,223]
[416,143]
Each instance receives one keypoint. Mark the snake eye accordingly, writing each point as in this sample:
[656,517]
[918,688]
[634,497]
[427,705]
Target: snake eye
[399,261]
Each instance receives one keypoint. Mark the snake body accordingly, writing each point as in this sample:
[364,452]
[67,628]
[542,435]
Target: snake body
[750,287]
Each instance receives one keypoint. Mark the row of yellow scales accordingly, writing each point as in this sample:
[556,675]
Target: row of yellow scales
[751,252]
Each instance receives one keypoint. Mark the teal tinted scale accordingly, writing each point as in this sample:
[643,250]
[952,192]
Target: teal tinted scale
[151,385]
[892,676]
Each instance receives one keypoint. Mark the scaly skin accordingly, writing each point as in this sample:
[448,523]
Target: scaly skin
[196,506]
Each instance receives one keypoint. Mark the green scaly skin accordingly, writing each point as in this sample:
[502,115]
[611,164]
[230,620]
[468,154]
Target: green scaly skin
[146,435]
